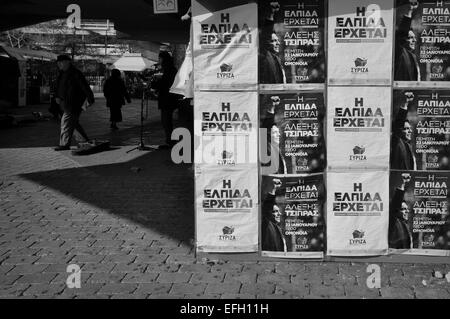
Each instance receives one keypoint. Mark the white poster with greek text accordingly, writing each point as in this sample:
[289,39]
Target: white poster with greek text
[226,128]
[360,35]
[227,209]
[358,127]
[357,213]
[225,47]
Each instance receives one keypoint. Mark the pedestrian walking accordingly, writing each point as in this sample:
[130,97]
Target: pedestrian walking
[72,90]
[115,93]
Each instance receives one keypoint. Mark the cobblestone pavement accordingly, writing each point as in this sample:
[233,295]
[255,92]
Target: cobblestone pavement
[128,221]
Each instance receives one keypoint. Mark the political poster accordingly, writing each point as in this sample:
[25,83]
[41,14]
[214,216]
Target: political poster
[360,36]
[291,41]
[422,41]
[227,209]
[292,221]
[225,47]
[291,133]
[421,130]
[226,128]
[357,213]
[419,219]
[358,127]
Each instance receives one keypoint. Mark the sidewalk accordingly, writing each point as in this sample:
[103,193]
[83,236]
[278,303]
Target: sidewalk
[128,221]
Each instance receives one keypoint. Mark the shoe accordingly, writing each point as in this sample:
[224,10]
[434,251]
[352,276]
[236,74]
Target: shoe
[62,148]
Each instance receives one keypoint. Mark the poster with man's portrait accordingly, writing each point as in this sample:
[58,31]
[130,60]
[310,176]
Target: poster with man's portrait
[292,220]
[291,133]
[291,41]
[419,220]
[420,133]
[422,41]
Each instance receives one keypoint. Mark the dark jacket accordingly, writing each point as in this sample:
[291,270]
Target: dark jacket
[406,65]
[115,92]
[270,68]
[401,150]
[272,236]
[399,235]
[163,85]
[75,90]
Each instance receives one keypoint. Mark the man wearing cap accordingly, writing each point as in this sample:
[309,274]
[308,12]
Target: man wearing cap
[72,90]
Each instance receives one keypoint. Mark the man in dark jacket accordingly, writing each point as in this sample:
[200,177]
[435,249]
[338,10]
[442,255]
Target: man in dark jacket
[167,102]
[402,155]
[272,235]
[406,65]
[271,70]
[72,90]
[399,233]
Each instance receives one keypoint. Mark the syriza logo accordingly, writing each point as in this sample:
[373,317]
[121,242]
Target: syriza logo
[227,234]
[225,71]
[360,66]
[436,72]
[358,238]
[358,154]
[227,159]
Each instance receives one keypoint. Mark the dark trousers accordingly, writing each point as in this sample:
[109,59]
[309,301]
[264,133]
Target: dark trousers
[167,121]
[69,123]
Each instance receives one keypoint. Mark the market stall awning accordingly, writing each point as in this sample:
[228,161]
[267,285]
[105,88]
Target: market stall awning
[133,62]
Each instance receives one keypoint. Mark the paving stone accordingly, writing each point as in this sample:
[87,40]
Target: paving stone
[105,278]
[174,277]
[44,290]
[258,288]
[139,277]
[151,259]
[273,278]
[397,293]
[27,269]
[427,293]
[321,291]
[13,290]
[120,288]
[195,268]
[36,278]
[291,291]
[190,288]
[222,288]
[7,280]
[128,268]
[237,296]
[206,277]
[153,288]
[247,277]
[358,292]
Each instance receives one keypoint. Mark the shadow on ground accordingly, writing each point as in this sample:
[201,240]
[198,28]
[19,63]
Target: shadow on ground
[150,190]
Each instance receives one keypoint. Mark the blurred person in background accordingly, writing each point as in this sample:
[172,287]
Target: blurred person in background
[115,93]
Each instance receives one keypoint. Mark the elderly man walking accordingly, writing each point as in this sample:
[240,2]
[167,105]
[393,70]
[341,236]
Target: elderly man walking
[72,90]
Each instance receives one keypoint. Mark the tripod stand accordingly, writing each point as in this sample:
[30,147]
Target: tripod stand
[141,146]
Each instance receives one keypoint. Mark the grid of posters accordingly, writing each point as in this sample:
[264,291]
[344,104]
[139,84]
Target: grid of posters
[360,36]
[225,47]
[291,37]
[292,136]
[422,41]
[419,219]
[292,223]
[358,127]
[357,213]
[421,130]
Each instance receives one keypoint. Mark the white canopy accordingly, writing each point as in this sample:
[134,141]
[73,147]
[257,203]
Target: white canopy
[133,62]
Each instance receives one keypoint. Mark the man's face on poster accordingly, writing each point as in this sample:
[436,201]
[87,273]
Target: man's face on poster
[276,214]
[404,210]
[407,131]
[274,43]
[275,135]
[63,65]
[411,40]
